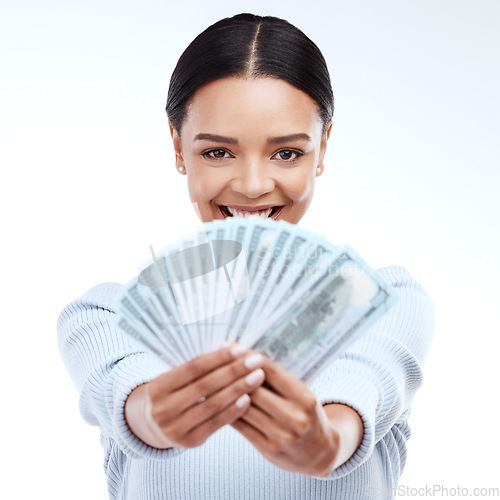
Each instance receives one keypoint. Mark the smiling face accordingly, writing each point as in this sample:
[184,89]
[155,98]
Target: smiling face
[251,144]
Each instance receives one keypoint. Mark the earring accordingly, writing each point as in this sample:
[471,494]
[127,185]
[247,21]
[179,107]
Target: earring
[181,169]
[318,171]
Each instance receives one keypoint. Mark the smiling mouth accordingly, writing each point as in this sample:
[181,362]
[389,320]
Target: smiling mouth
[271,212]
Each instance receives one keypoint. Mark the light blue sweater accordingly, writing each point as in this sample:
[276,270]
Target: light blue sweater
[378,377]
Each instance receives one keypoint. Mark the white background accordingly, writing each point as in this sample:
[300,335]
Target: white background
[88,183]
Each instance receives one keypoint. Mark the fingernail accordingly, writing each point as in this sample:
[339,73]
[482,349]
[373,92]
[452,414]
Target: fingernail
[238,350]
[254,377]
[242,401]
[253,361]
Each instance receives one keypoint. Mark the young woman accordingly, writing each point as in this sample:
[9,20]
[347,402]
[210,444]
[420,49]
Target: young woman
[250,107]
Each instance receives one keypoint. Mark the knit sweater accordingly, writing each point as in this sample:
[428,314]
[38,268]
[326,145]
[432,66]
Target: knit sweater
[378,376]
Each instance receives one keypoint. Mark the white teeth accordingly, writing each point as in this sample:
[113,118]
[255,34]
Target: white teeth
[241,213]
[265,213]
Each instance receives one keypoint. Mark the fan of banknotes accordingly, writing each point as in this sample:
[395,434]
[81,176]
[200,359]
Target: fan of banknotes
[269,285]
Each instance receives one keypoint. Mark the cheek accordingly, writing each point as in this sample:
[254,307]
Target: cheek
[202,186]
[300,187]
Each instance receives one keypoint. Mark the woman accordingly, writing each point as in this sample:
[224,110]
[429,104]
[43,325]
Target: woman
[250,107]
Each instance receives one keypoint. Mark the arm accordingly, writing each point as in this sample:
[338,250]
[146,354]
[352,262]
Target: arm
[376,378]
[106,366]
[148,409]
[379,375]
[290,428]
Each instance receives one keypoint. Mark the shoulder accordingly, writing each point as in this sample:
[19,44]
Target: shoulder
[412,318]
[398,276]
[411,291]
[102,295]
[96,302]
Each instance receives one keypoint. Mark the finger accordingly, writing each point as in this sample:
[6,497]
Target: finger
[258,440]
[201,433]
[280,435]
[221,409]
[216,403]
[210,384]
[287,414]
[196,368]
[288,386]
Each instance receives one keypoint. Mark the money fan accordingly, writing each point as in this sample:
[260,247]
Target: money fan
[270,285]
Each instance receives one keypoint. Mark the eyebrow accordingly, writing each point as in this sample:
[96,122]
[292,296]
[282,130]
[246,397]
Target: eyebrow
[215,138]
[272,140]
[289,138]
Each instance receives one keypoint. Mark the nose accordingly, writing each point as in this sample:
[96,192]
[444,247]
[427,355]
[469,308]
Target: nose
[253,179]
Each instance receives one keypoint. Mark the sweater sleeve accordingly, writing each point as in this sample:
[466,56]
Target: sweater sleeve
[380,373]
[106,365]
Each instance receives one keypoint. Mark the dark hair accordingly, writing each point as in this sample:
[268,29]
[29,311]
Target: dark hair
[250,46]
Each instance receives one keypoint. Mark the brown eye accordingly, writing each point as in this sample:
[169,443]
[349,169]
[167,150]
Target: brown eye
[216,154]
[287,155]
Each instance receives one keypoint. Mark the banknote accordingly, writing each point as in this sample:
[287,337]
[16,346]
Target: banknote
[322,321]
[273,286]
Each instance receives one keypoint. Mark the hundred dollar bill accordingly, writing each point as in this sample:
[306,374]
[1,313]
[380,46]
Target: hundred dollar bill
[233,286]
[259,282]
[179,280]
[203,260]
[147,331]
[319,324]
[257,237]
[286,244]
[317,258]
[192,282]
[220,232]
[285,273]
[148,311]
[270,285]
[240,286]
[155,286]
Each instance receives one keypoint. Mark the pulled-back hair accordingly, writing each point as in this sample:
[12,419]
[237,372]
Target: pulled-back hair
[247,45]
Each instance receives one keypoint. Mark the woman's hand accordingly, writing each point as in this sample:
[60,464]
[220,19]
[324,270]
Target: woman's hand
[184,406]
[288,426]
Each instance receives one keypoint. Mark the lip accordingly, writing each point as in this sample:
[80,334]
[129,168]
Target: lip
[243,208]
[251,209]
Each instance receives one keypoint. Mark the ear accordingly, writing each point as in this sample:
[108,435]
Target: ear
[176,139]
[324,142]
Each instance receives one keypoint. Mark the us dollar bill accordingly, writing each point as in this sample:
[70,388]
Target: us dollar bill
[280,289]
[326,319]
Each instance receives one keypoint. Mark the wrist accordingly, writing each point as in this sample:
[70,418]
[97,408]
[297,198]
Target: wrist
[138,417]
[346,430]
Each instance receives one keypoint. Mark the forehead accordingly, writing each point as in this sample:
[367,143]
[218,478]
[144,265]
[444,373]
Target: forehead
[266,103]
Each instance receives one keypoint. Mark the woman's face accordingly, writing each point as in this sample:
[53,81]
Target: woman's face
[251,145]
